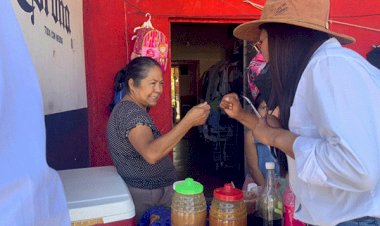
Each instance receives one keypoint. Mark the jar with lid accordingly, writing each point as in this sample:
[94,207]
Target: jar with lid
[227,207]
[188,204]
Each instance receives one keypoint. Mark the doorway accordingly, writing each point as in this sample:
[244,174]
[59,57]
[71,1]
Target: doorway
[207,62]
[184,87]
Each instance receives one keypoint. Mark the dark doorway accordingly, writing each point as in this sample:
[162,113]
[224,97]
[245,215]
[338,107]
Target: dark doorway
[207,62]
[185,93]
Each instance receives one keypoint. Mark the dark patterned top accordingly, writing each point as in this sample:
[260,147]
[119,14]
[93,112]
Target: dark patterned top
[132,167]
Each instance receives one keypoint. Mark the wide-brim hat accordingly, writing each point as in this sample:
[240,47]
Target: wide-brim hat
[312,14]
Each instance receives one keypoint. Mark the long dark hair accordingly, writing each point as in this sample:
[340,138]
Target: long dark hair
[290,50]
[259,99]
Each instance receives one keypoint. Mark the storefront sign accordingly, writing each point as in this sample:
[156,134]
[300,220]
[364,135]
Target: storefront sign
[53,31]
[57,9]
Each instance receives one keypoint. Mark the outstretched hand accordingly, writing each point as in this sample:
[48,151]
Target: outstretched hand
[231,105]
[198,114]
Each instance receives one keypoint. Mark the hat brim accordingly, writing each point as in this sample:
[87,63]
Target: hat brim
[250,31]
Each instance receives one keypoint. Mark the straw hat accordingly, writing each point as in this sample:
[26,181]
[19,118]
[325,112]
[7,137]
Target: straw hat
[312,14]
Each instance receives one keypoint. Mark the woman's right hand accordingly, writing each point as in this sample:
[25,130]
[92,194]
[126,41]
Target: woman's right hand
[198,114]
[231,105]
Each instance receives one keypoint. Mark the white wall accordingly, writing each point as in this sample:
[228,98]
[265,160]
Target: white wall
[57,50]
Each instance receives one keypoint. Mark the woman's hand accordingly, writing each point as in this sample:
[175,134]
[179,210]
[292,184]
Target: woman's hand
[198,114]
[231,105]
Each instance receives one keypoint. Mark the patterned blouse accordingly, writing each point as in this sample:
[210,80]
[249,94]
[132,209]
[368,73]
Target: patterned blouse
[132,167]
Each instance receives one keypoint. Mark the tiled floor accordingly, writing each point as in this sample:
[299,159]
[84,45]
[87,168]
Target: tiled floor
[193,157]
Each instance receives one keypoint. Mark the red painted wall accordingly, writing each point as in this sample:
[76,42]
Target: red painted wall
[105,53]
[108,28]
[361,13]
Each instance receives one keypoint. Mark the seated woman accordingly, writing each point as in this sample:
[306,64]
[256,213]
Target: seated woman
[256,153]
[138,150]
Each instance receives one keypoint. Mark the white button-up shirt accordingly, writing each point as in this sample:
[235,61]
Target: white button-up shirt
[336,111]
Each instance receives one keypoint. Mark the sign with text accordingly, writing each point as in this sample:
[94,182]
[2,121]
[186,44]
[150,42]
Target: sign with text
[53,31]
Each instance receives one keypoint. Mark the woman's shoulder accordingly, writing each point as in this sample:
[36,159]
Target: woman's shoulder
[129,104]
[128,112]
[129,107]
[332,51]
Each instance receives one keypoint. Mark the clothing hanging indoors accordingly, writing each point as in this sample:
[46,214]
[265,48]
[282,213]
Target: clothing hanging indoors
[207,63]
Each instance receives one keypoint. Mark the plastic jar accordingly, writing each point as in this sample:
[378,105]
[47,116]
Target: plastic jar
[227,207]
[188,204]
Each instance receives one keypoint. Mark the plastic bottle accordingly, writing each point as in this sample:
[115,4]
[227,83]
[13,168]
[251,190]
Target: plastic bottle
[270,201]
[188,204]
[227,207]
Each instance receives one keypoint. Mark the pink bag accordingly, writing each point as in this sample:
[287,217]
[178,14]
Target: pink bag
[152,43]
[288,213]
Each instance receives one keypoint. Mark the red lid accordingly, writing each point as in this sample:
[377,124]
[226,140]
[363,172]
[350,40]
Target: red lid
[228,193]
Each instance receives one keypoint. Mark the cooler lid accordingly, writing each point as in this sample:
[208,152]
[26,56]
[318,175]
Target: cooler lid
[97,192]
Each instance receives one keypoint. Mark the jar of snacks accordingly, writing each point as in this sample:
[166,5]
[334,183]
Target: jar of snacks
[188,204]
[227,207]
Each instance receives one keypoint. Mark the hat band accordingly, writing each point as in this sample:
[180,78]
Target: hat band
[312,22]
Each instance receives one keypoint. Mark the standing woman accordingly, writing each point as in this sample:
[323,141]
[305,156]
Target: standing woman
[138,150]
[329,125]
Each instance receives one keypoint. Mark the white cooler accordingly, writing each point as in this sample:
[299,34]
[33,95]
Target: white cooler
[97,196]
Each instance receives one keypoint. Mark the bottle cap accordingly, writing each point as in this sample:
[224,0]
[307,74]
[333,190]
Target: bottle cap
[269,165]
[189,187]
[252,187]
[228,193]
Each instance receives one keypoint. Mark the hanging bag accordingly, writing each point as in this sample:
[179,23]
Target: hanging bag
[150,42]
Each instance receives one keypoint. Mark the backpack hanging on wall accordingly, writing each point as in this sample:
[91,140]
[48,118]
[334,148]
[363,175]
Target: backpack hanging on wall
[150,42]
